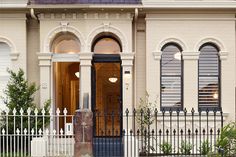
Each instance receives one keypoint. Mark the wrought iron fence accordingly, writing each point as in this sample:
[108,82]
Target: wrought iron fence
[141,132]
[36,133]
[148,132]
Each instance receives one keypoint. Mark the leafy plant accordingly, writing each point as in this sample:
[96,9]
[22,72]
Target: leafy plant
[145,118]
[185,148]
[166,148]
[20,97]
[205,148]
[226,143]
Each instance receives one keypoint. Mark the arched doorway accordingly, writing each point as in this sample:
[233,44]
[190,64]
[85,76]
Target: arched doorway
[107,86]
[66,73]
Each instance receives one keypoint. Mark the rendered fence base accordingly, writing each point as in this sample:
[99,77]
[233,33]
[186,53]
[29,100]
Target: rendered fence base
[131,146]
[38,147]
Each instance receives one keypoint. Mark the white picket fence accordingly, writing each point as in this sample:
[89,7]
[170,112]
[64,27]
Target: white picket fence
[36,133]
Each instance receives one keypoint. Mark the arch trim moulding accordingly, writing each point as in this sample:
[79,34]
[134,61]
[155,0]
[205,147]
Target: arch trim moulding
[157,53]
[107,28]
[13,54]
[223,53]
[64,27]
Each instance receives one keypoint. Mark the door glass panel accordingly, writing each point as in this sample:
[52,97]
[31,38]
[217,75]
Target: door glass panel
[107,100]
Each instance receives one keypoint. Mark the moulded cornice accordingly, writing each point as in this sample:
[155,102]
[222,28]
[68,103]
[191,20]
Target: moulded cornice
[190,55]
[44,56]
[127,56]
[65,57]
[86,16]
[223,55]
[14,56]
[157,55]
[189,4]
[86,56]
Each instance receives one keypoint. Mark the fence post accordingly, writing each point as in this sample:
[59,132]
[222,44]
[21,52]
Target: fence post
[83,130]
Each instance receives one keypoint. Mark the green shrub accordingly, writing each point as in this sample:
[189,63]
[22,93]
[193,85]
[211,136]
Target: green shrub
[227,140]
[185,148]
[166,148]
[19,94]
[205,148]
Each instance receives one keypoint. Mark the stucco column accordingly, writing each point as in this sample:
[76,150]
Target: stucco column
[153,78]
[127,84]
[190,80]
[85,77]
[45,75]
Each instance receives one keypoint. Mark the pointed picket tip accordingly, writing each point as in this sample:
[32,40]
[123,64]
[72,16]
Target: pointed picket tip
[65,111]
[58,111]
[40,131]
[17,131]
[14,111]
[43,111]
[21,111]
[36,111]
[25,131]
[29,111]
[61,132]
[54,132]
[3,131]
[32,131]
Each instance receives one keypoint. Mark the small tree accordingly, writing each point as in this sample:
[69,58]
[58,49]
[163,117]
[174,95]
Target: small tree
[19,94]
[145,118]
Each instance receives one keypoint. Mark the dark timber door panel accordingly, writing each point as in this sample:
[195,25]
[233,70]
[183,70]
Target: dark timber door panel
[107,106]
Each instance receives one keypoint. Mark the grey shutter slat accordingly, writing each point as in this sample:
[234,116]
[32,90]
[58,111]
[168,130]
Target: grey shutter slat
[171,78]
[208,76]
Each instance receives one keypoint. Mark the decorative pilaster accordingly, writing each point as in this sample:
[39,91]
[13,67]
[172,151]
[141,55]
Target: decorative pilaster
[127,87]
[45,76]
[85,77]
[190,74]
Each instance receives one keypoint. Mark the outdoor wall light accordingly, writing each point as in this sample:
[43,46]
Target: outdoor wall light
[127,77]
[113,79]
[77,74]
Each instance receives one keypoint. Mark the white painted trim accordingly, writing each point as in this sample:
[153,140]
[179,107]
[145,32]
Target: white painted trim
[213,40]
[154,4]
[64,27]
[13,54]
[171,40]
[189,19]
[157,55]
[189,4]
[107,28]
[65,58]
[8,6]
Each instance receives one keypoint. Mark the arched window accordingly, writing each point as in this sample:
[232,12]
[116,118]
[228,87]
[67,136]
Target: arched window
[171,77]
[5,63]
[209,77]
[66,43]
[106,45]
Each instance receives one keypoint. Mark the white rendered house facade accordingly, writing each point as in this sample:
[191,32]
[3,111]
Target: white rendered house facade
[181,53]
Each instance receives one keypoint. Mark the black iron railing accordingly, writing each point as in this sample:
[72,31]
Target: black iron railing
[147,132]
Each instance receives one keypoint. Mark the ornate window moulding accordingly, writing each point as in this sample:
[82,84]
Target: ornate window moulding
[14,56]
